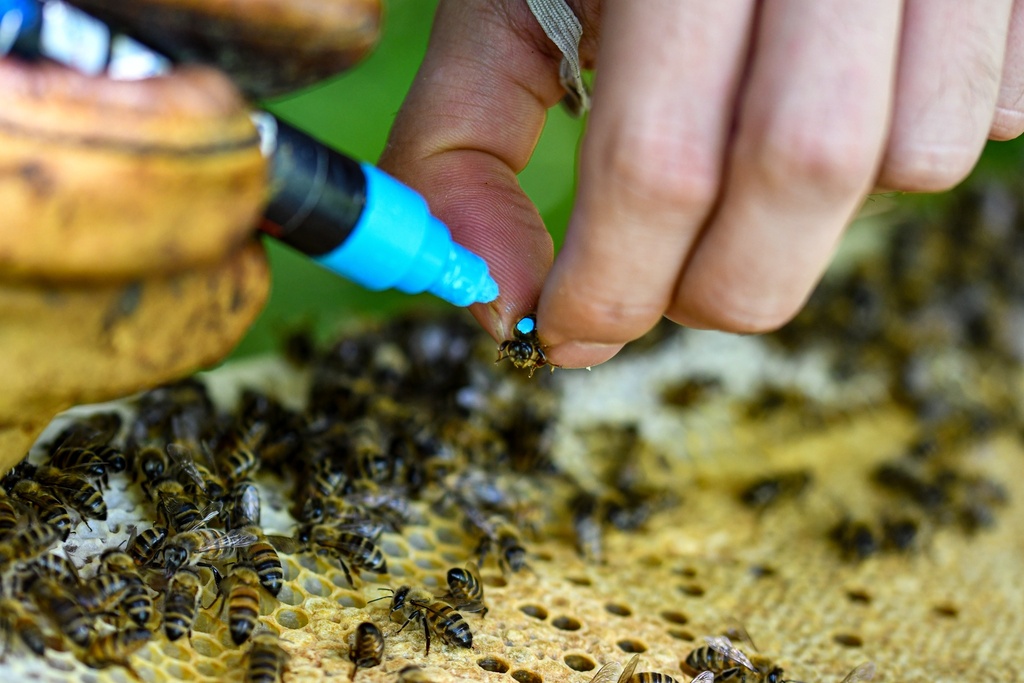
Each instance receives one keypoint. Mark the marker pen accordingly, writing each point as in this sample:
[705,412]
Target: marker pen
[349,217]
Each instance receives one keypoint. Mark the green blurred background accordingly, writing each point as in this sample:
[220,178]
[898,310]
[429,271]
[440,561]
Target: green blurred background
[354,113]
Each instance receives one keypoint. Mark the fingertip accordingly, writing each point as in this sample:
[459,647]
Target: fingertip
[581,354]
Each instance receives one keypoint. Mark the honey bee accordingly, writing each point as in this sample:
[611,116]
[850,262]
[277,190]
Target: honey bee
[437,617]
[137,603]
[51,511]
[176,510]
[344,546]
[75,491]
[70,617]
[245,505]
[241,457]
[719,656]
[499,532]
[265,560]
[212,545]
[115,648]
[199,477]
[367,648]
[151,465]
[93,462]
[856,539]
[102,592]
[16,620]
[613,672]
[240,591]
[9,514]
[27,543]
[465,589]
[524,350]
[98,429]
[56,567]
[143,548]
[766,492]
[181,603]
[266,659]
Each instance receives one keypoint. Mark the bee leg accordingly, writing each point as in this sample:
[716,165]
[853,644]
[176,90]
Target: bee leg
[426,634]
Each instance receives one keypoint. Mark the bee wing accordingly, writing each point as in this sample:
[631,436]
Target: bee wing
[864,672]
[238,538]
[182,457]
[704,677]
[628,669]
[285,544]
[723,645]
[206,514]
[609,673]
[473,570]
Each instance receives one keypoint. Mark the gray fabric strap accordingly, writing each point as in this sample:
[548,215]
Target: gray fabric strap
[560,24]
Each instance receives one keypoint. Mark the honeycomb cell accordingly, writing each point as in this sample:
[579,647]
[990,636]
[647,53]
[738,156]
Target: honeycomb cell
[350,599]
[524,676]
[449,536]
[674,617]
[313,585]
[292,619]
[452,559]
[535,611]
[494,581]
[692,589]
[631,646]
[848,640]
[288,596]
[565,623]
[291,568]
[429,563]
[393,547]
[681,634]
[206,623]
[579,581]
[946,610]
[210,669]
[858,596]
[419,541]
[207,647]
[308,562]
[617,610]
[578,662]
[493,664]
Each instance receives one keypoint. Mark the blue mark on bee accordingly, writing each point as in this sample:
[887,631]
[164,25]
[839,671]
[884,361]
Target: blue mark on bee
[526,326]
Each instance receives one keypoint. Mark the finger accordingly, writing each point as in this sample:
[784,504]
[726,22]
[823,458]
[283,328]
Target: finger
[811,130]
[1008,122]
[651,165]
[468,126]
[946,90]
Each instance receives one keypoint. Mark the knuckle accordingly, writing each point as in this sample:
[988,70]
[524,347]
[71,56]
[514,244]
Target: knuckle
[663,173]
[928,168]
[829,160]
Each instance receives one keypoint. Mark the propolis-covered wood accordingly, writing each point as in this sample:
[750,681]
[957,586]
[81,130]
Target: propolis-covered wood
[268,47]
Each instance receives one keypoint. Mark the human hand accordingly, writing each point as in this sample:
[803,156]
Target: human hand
[730,145]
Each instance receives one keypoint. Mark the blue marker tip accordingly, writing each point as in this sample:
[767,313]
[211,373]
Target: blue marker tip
[398,244]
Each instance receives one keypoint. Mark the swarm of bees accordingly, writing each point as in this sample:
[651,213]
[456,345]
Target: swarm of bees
[394,425]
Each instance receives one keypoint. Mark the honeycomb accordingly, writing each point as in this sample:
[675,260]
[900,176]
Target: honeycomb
[682,424]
